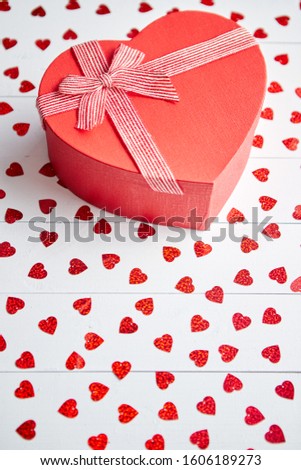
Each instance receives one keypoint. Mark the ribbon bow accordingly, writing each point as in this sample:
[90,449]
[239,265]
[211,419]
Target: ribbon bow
[103,88]
[100,82]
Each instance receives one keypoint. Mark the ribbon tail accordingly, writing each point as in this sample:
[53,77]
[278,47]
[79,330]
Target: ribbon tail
[126,57]
[91,109]
[140,144]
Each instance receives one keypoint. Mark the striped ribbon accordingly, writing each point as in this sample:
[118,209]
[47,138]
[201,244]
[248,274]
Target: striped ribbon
[103,89]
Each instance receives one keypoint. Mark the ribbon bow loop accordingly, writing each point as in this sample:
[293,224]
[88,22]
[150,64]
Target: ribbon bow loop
[126,57]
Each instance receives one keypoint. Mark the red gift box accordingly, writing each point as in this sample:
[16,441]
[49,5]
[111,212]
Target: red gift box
[203,138]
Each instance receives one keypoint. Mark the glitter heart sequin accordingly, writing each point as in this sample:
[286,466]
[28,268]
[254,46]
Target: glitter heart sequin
[121,369]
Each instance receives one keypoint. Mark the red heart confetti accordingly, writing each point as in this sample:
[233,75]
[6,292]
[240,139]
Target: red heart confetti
[198,323]
[235,216]
[21,128]
[25,390]
[282,59]
[173,10]
[109,260]
[68,408]
[296,285]
[26,86]
[5,108]
[42,43]
[185,285]
[207,406]
[170,253]
[49,325]
[144,7]
[4,5]
[137,276]
[121,369]
[84,213]
[93,341]
[126,413]
[267,113]
[146,306]
[99,442]
[12,215]
[131,34]
[102,226]
[98,391]
[208,3]
[232,383]
[202,249]
[72,5]
[164,343]
[262,174]
[145,231]
[271,317]
[216,294]
[291,143]
[103,10]
[155,443]
[69,34]
[83,306]
[164,379]
[260,33]
[297,213]
[47,170]
[285,390]
[275,435]
[48,238]
[272,231]
[12,72]
[275,87]
[6,250]
[258,141]
[127,326]
[272,353]
[240,321]
[243,278]
[8,43]
[75,361]
[227,352]
[2,194]
[169,412]
[253,415]
[46,205]
[236,16]
[27,429]
[283,20]
[13,304]
[200,438]
[267,203]
[77,267]
[248,244]
[37,271]
[279,275]
[199,357]
[25,361]
[296,117]
[2,344]
[39,11]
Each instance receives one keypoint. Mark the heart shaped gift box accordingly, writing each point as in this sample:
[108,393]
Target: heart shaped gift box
[204,138]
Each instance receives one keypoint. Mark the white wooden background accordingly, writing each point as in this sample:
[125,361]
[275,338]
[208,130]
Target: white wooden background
[113,298]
